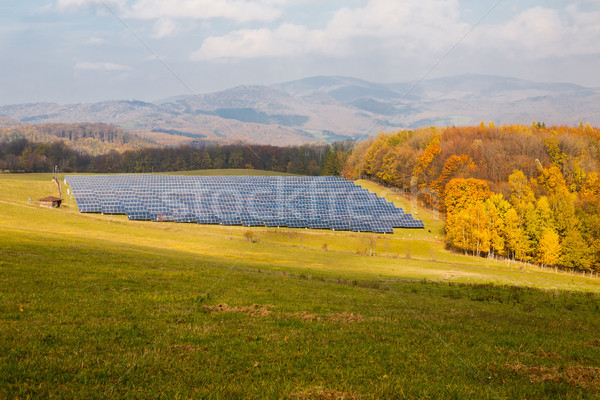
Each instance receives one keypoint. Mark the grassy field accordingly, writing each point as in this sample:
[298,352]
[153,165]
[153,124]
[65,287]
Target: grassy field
[96,306]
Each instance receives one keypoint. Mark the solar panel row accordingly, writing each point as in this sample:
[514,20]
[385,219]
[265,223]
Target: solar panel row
[300,202]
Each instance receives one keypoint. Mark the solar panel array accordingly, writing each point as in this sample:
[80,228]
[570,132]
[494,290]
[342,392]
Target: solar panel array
[299,202]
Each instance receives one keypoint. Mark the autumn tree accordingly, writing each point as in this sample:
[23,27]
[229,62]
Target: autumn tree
[575,252]
[549,249]
[419,178]
[496,209]
[461,192]
[453,166]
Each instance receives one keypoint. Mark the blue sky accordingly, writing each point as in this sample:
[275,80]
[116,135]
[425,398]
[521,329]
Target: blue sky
[70,51]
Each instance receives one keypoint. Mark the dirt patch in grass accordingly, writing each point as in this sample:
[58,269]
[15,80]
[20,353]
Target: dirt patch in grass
[552,356]
[585,377]
[258,310]
[254,310]
[346,318]
[591,343]
[318,393]
[305,316]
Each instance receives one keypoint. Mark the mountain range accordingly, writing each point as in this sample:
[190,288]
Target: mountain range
[328,109]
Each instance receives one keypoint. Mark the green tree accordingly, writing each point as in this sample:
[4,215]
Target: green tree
[575,253]
[332,165]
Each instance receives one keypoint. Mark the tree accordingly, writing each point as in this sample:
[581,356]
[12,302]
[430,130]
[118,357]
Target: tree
[460,193]
[453,165]
[480,227]
[206,161]
[496,208]
[562,203]
[373,156]
[549,248]
[517,242]
[332,165]
[313,168]
[431,151]
[520,194]
[575,253]
[459,231]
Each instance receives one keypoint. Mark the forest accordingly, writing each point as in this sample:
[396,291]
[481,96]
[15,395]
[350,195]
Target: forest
[22,155]
[93,138]
[528,193]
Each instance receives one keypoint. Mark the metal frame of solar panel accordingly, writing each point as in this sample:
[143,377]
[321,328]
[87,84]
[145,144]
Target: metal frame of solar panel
[300,202]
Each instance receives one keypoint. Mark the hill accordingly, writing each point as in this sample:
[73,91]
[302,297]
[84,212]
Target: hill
[96,305]
[92,138]
[330,109]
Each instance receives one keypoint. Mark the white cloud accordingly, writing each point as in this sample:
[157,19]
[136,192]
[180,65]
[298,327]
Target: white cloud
[164,27]
[96,41]
[100,66]
[409,27]
[236,10]
[287,40]
[415,28]
[541,32]
[74,4]
[168,14]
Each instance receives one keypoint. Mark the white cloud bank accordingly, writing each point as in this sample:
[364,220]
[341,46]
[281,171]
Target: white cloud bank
[394,28]
[413,27]
[409,27]
[542,32]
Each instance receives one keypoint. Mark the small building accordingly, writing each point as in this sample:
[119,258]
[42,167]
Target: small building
[50,202]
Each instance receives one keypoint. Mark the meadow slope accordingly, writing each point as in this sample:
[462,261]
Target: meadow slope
[98,306]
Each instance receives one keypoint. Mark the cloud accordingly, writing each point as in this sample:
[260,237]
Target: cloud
[287,40]
[235,10]
[96,41]
[413,29]
[164,27]
[540,32]
[75,4]
[100,66]
[169,14]
[410,27]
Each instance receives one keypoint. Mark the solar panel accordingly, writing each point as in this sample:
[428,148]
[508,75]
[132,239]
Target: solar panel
[275,201]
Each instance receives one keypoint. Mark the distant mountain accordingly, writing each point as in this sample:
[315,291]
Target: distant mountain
[329,108]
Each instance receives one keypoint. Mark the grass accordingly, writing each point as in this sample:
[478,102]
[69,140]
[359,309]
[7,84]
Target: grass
[98,306]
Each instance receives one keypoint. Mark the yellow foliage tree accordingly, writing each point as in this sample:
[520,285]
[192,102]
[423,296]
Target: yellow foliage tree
[549,249]
[432,150]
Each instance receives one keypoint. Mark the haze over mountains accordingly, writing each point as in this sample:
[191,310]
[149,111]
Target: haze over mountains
[329,109]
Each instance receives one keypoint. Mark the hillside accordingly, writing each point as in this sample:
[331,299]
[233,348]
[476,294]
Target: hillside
[530,193]
[91,138]
[330,109]
[99,306]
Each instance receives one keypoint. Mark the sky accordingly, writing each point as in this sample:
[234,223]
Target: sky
[72,51]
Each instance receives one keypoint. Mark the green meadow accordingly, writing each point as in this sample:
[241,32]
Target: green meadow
[97,306]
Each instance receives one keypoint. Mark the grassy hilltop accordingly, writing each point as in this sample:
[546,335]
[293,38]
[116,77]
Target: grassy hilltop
[98,306]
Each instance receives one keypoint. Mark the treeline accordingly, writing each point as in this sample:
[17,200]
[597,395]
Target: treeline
[22,155]
[91,137]
[530,193]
